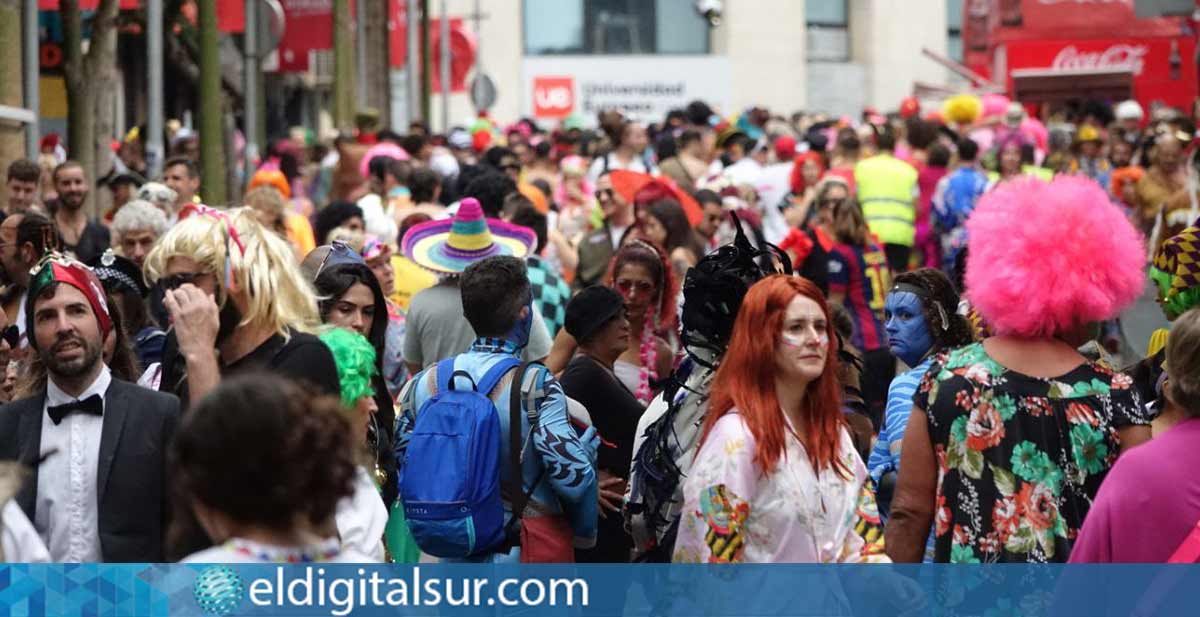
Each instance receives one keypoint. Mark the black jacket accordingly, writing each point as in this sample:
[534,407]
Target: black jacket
[132,492]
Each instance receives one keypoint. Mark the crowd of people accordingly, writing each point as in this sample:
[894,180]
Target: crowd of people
[753,338]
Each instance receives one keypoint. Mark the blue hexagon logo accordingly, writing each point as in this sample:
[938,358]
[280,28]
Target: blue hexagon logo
[218,590]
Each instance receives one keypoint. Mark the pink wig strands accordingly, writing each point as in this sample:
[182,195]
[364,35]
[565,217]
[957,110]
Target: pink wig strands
[1045,258]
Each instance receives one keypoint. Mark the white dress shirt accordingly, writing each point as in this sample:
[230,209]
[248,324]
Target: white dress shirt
[66,514]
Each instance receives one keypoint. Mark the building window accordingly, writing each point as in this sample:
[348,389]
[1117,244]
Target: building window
[954,43]
[613,27]
[828,30]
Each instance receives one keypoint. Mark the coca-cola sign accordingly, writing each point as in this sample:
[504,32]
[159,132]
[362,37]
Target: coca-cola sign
[1115,58]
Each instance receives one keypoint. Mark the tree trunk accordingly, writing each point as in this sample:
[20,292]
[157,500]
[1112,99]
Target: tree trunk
[378,60]
[85,74]
[12,134]
[212,147]
[343,66]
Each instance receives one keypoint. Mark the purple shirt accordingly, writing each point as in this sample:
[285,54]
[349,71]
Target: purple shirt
[1148,504]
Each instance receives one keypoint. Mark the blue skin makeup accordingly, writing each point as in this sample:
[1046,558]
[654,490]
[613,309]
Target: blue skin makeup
[520,330]
[908,333]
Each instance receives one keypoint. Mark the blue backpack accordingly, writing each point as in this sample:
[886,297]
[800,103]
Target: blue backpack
[451,481]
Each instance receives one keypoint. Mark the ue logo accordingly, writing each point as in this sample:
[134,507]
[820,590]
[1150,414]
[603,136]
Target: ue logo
[553,97]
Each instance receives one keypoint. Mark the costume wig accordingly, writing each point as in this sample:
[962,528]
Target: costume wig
[1048,257]
[745,381]
[355,359]
[244,256]
[962,108]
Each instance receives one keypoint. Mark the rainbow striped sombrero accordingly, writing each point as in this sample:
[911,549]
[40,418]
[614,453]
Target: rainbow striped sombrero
[449,246]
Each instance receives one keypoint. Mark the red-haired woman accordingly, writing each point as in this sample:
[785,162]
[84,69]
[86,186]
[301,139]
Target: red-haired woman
[777,478]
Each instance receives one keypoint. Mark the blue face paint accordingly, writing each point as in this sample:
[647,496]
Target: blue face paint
[908,333]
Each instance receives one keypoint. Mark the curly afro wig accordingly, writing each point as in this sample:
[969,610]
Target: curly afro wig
[1045,258]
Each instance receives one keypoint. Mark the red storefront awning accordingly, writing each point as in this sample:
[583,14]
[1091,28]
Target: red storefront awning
[231,14]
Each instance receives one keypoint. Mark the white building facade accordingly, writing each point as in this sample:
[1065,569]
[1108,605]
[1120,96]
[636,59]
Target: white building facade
[550,59]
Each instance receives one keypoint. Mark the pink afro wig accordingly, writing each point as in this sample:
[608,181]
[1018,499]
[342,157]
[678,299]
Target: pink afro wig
[1044,258]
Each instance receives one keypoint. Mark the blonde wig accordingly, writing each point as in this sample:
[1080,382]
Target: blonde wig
[252,259]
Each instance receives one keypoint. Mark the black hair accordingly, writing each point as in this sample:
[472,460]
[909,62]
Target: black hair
[333,216]
[848,140]
[665,146]
[389,135]
[968,150]
[495,155]
[39,231]
[698,113]
[919,133]
[24,170]
[413,143]
[521,211]
[885,139]
[493,292]
[377,167]
[939,155]
[490,189]
[193,171]
[705,196]
[423,183]
[544,186]
[219,456]
[680,234]
[400,170]
[948,328]
[687,137]
[332,283]
[543,149]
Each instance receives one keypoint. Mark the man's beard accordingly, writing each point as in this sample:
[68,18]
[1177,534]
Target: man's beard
[69,201]
[71,368]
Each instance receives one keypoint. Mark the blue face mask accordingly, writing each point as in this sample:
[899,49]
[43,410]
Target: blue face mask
[908,332]
[519,334]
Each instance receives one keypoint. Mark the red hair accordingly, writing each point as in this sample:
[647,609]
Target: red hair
[655,261]
[797,178]
[746,379]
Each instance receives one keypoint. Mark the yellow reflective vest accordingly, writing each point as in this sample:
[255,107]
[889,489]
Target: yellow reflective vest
[886,188]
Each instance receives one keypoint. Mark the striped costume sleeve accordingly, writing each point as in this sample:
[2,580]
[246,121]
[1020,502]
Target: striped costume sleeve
[886,455]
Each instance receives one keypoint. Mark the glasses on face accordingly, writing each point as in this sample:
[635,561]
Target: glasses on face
[172,282]
[627,286]
[12,336]
[604,194]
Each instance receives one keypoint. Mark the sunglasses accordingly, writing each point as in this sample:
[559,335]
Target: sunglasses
[172,282]
[342,250]
[12,336]
[626,286]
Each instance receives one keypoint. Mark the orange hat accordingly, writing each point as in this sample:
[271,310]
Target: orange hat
[273,178]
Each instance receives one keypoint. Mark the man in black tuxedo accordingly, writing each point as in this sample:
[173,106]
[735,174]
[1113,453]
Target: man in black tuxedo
[100,493]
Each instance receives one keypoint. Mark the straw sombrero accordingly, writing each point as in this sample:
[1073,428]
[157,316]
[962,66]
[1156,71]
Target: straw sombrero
[449,246]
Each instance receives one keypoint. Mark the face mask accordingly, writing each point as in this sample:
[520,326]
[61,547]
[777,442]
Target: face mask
[909,337]
[520,330]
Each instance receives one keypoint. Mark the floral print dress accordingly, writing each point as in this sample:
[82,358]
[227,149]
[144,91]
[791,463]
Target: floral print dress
[732,512]
[1020,458]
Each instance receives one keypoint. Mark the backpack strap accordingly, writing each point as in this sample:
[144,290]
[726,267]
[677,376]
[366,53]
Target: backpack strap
[492,378]
[444,372]
[523,395]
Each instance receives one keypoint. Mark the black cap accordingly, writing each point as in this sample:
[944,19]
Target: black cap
[118,274]
[590,309]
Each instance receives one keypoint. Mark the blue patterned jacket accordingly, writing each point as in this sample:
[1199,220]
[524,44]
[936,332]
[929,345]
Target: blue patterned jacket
[560,459]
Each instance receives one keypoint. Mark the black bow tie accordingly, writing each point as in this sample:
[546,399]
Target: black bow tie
[92,404]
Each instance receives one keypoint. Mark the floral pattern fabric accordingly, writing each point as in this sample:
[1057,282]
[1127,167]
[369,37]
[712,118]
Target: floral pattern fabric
[732,512]
[1019,458]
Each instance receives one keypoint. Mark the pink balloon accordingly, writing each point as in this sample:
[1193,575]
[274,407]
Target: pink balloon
[1035,130]
[381,149]
[994,105]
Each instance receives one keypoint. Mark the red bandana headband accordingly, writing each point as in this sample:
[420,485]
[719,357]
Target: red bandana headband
[57,268]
